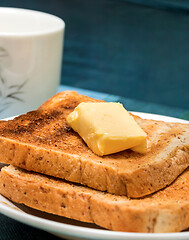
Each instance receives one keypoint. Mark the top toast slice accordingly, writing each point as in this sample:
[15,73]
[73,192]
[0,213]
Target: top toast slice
[43,142]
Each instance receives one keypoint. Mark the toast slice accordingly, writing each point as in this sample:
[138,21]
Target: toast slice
[43,142]
[164,211]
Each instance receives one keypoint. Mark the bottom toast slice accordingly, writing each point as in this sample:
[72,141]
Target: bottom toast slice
[164,211]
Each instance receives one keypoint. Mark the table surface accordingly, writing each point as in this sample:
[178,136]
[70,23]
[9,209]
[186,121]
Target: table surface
[11,229]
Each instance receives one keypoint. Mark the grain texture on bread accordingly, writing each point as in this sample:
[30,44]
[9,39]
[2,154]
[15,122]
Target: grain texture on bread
[164,211]
[43,142]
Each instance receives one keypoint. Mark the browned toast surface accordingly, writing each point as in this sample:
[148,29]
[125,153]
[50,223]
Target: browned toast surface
[164,211]
[43,142]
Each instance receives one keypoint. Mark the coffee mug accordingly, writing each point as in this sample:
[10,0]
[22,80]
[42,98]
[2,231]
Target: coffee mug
[31,45]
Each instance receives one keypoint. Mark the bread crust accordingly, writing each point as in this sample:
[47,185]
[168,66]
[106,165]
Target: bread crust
[43,142]
[164,211]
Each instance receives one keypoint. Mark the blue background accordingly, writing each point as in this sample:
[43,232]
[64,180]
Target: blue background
[138,51]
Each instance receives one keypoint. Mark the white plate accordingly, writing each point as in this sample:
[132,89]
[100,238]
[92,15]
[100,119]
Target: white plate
[71,229]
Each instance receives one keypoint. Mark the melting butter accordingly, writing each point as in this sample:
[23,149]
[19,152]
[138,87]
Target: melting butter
[107,128]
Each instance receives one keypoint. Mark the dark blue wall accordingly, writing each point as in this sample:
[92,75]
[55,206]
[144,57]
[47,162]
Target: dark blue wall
[136,51]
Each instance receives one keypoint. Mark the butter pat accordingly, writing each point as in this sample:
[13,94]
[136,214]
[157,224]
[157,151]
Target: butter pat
[107,128]
[141,148]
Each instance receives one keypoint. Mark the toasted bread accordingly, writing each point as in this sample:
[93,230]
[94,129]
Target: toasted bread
[164,211]
[43,142]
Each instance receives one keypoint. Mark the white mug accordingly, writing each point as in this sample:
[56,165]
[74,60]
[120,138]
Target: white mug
[31,45]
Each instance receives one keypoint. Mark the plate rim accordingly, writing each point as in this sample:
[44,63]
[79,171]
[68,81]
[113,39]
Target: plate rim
[57,227]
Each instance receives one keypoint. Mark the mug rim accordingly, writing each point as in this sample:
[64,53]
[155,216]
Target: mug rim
[59,23]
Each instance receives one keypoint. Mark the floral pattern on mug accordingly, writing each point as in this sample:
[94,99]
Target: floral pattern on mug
[11,84]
